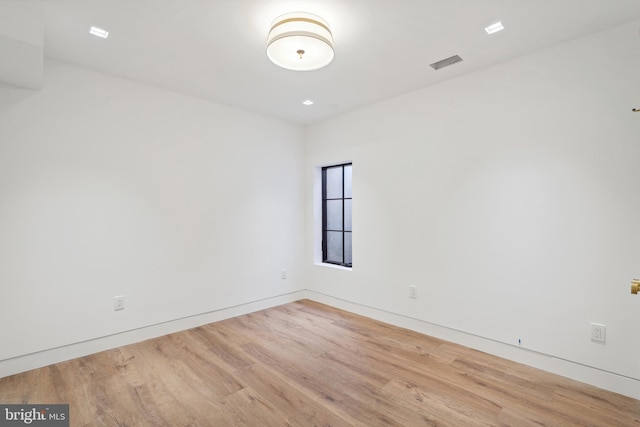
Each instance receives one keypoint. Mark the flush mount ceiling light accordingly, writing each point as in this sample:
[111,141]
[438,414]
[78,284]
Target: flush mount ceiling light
[300,41]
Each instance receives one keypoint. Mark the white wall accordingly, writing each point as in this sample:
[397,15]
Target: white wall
[109,187]
[510,197]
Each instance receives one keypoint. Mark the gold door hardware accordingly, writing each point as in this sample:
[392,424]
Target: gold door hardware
[635,284]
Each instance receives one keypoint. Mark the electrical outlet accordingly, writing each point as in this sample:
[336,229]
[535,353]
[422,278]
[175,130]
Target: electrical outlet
[283,274]
[413,292]
[118,303]
[598,332]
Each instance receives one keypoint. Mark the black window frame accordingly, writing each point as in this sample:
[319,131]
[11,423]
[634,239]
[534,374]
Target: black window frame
[324,217]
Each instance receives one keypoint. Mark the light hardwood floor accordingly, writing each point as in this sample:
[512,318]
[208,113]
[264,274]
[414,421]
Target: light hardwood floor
[307,364]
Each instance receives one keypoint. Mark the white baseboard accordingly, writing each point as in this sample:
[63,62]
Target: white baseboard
[72,351]
[586,374]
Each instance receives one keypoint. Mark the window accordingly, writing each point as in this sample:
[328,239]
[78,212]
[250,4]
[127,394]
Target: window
[336,214]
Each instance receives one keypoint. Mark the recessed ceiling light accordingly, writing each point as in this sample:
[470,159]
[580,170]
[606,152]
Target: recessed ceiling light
[308,102]
[494,28]
[99,32]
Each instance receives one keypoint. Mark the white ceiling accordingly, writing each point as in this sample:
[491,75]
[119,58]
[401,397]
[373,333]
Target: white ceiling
[215,49]
[21,43]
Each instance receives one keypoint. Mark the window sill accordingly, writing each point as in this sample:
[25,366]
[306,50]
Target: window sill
[337,267]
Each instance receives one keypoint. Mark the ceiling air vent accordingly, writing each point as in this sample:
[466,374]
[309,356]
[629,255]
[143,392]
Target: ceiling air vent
[446,62]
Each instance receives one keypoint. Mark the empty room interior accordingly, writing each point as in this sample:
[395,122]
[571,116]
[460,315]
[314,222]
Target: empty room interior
[168,231]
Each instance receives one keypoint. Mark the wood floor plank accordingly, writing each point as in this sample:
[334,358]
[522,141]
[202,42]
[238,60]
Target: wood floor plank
[302,408]
[470,410]
[247,408]
[307,364]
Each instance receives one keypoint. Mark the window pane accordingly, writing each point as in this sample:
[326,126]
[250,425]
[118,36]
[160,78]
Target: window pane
[334,215]
[334,246]
[347,215]
[337,214]
[347,248]
[347,181]
[334,183]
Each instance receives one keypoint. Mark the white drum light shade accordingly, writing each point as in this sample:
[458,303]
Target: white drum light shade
[300,41]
